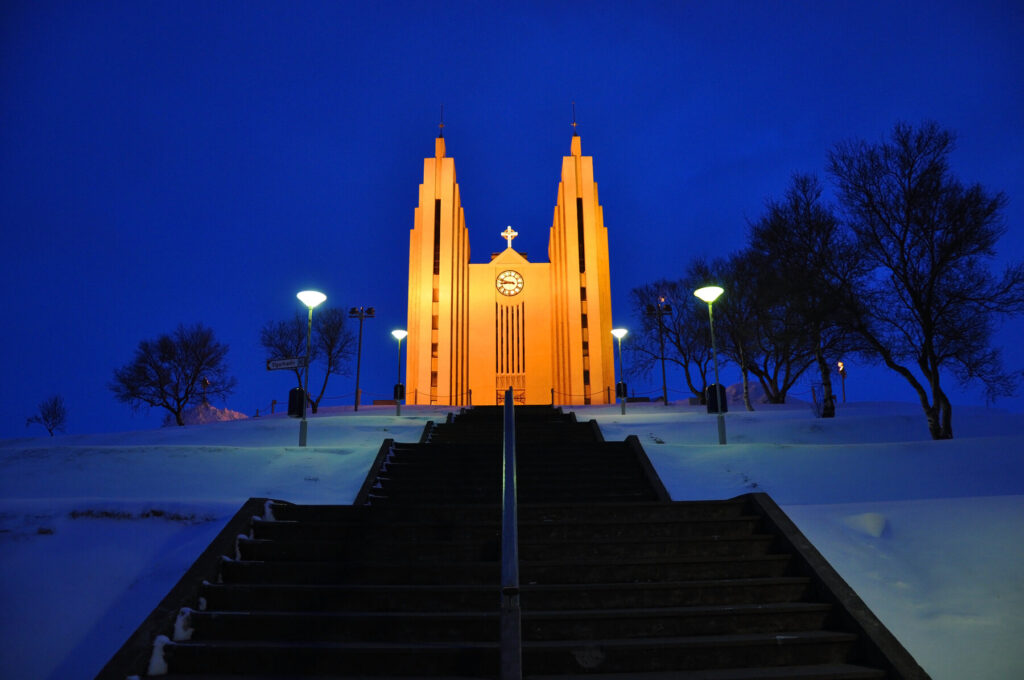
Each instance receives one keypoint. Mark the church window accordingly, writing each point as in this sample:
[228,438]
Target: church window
[586,378]
[579,234]
[437,236]
[583,320]
[583,292]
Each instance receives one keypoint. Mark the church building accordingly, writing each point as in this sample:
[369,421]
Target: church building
[543,328]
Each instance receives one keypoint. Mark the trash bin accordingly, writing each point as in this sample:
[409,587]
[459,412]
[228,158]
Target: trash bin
[399,391]
[620,390]
[715,395]
[296,399]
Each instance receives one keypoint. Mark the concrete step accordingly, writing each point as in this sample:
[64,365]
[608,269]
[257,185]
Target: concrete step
[815,672]
[365,626]
[293,659]
[640,547]
[632,571]
[622,528]
[686,653]
[359,572]
[666,593]
[673,621]
[379,549]
[632,512]
[439,513]
[338,598]
[359,532]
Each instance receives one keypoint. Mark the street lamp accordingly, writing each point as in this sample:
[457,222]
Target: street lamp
[360,313]
[399,387]
[660,310]
[310,298]
[709,294]
[620,388]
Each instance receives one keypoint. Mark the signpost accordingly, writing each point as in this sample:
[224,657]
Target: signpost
[279,364]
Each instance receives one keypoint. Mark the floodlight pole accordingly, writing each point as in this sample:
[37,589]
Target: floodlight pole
[709,294]
[305,386]
[620,333]
[399,335]
[360,313]
[311,299]
[660,310]
[718,384]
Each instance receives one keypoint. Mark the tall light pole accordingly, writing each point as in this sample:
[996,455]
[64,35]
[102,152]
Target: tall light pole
[310,298]
[360,313]
[399,387]
[659,311]
[620,388]
[709,294]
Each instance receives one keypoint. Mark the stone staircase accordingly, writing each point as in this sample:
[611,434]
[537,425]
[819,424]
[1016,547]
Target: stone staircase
[616,581]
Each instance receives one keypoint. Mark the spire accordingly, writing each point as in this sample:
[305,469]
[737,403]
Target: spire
[439,142]
[574,132]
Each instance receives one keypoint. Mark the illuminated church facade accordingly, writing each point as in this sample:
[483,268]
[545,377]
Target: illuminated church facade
[543,328]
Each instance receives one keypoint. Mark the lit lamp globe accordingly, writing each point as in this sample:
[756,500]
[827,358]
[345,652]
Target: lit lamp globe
[311,298]
[619,333]
[399,335]
[709,293]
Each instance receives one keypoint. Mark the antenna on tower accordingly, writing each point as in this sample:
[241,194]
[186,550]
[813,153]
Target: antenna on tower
[440,127]
[574,133]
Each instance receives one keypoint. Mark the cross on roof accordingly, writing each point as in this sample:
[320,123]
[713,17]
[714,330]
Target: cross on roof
[509,234]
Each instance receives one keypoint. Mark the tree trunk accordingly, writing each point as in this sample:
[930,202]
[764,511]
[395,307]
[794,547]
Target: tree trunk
[828,405]
[746,388]
[179,417]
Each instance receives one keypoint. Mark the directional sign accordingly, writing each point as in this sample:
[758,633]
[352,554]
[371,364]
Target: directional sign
[278,364]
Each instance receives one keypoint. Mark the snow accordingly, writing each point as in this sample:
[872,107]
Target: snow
[95,529]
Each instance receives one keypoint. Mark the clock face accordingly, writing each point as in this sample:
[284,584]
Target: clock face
[509,282]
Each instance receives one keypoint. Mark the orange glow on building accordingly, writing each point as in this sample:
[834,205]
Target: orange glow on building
[543,328]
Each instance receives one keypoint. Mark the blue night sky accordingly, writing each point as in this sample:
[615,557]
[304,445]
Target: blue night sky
[169,162]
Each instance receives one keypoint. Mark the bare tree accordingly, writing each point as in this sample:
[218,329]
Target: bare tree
[52,414]
[683,330]
[169,371]
[805,268]
[332,345]
[737,316]
[930,300]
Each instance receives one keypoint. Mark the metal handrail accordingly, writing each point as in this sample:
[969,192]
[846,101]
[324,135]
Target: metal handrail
[511,628]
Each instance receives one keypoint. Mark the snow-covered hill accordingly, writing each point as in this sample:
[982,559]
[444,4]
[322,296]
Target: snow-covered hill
[94,529]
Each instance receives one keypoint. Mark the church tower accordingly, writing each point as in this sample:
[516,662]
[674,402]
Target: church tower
[438,289]
[542,328]
[584,367]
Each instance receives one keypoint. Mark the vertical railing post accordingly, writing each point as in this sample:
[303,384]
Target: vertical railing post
[511,628]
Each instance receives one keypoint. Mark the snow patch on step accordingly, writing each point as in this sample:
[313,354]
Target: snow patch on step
[157,662]
[183,625]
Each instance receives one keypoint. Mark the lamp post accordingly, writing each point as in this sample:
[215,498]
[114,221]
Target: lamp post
[620,388]
[399,387]
[842,376]
[310,298]
[709,294]
[660,310]
[360,313]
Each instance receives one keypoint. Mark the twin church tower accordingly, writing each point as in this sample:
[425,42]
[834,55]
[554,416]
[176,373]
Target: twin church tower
[477,329]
